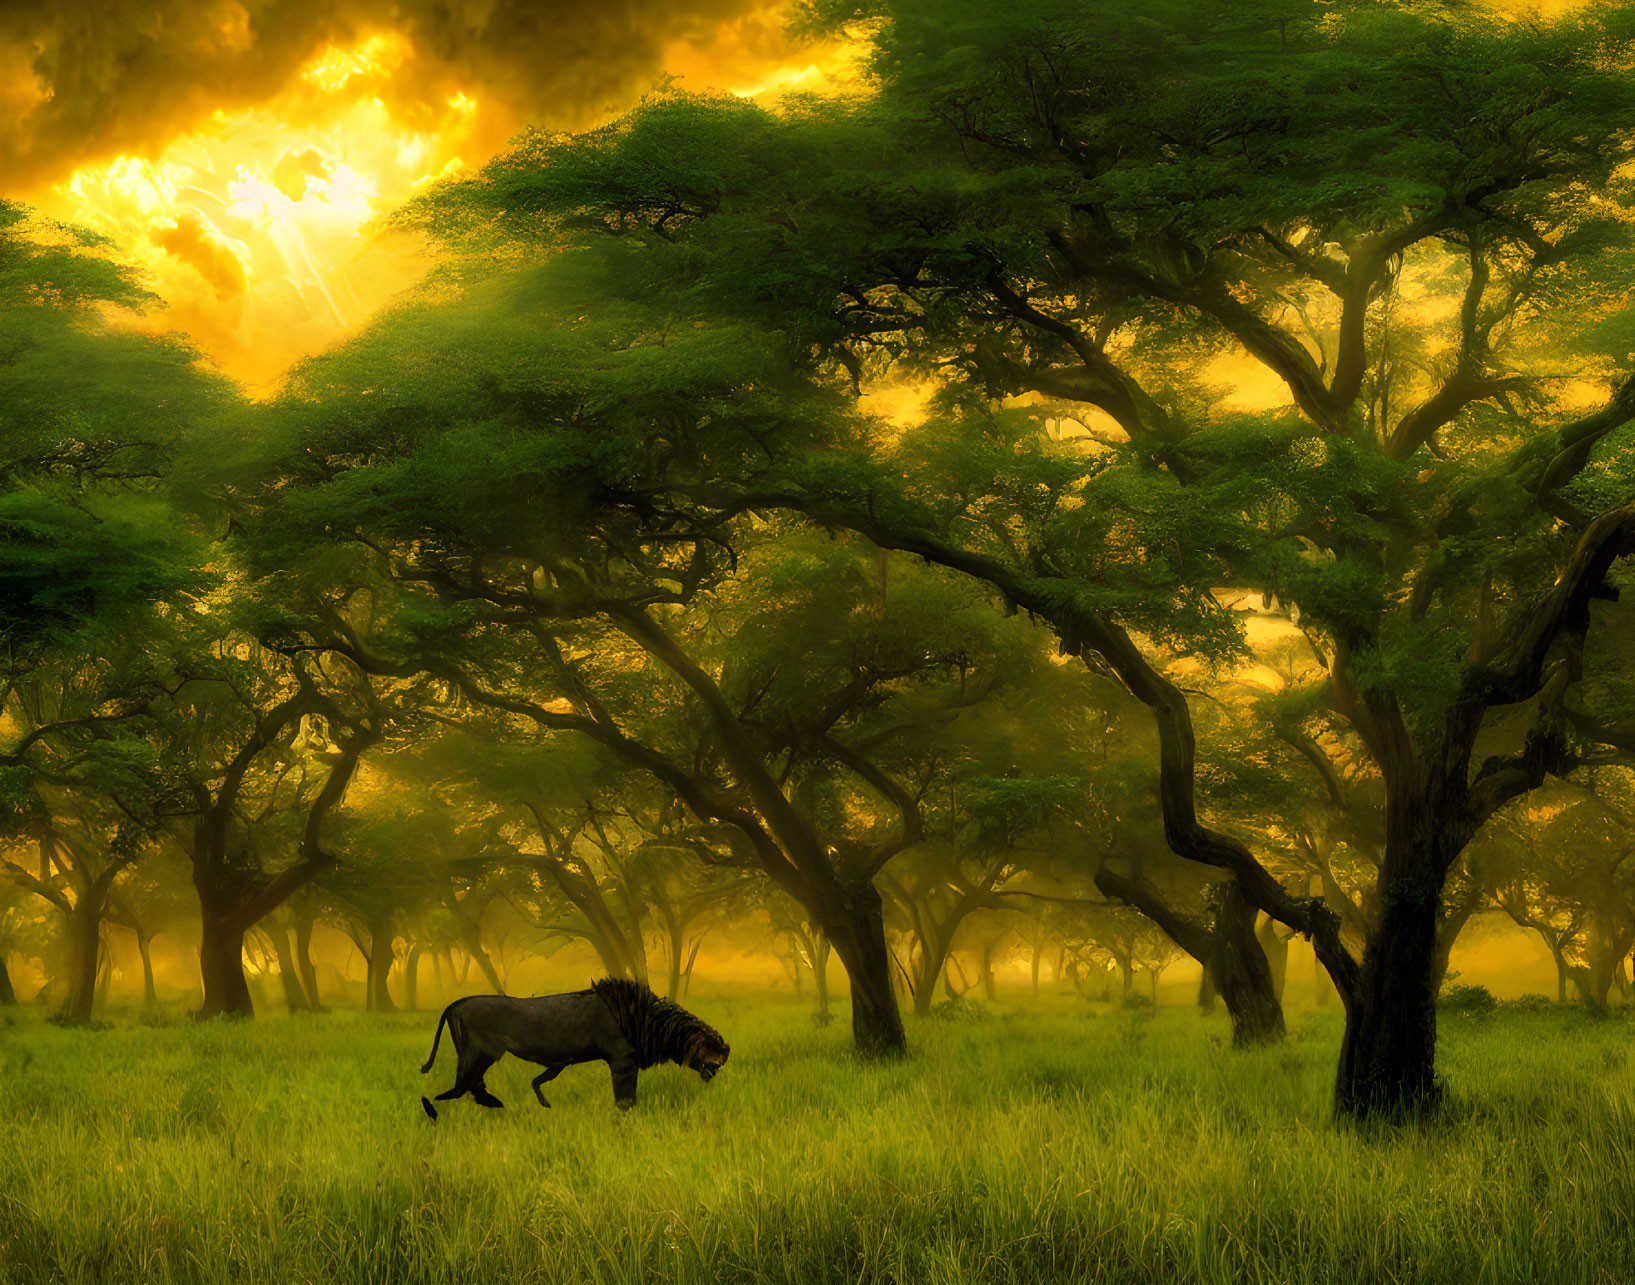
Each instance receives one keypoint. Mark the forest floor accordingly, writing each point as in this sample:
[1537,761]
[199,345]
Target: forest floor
[1019,1143]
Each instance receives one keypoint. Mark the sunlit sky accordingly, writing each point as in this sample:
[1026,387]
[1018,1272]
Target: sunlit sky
[244,153]
[257,217]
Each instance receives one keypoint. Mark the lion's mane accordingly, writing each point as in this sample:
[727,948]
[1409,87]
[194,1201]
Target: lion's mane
[658,1030]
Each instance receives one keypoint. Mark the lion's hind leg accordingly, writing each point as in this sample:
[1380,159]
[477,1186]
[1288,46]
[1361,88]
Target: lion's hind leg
[484,1098]
[468,1076]
[473,1081]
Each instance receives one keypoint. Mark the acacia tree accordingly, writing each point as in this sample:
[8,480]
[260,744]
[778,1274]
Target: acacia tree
[1100,214]
[579,879]
[1564,866]
[984,833]
[254,738]
[545,587]
[91,417]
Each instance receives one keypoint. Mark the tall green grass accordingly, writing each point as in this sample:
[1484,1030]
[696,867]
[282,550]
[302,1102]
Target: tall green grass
[1041,1144]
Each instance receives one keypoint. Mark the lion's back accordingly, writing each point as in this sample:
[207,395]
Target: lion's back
[575,1027]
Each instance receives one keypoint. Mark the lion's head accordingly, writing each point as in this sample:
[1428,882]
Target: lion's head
[708,1053]
[661,1031]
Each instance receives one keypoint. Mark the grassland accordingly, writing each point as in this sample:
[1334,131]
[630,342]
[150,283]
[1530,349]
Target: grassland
[1039,1144]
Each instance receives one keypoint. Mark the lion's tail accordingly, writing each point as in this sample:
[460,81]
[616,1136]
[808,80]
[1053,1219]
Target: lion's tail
[435,1039]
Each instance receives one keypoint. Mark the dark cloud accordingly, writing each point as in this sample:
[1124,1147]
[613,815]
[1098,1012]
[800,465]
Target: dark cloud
[82,80]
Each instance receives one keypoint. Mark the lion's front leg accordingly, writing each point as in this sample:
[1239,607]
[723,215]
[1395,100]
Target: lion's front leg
[624,1083]
[545,1076]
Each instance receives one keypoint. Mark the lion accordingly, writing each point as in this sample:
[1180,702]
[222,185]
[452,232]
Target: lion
[616,1021]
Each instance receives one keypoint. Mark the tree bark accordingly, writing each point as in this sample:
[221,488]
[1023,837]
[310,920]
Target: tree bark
[1239,969]
[233,900]
[295,999]
[673,992]
[471,940]
[84,951]
[105,971]
[856,929]
[221,967]
[379,995]
[820,974]
[8,996]
[1388,1055]
[303,963]
[989,985]
[795,967]
[144,947]
[1277,954]
[437,957]
[411,977]
[1228,950]
[932,968]
[1206,992]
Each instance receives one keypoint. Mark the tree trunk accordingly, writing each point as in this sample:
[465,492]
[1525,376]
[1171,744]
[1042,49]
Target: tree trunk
[8,996]
[1231,955]
[221,968]
[1276,949]
[295,999]
[989,986]
[1239,969]
[677,945]
[411,977]
[471,940]
[380,965]
[1035,977]
[84,951]
[1206,992]
[687,972]
[303,962]
[144,947]
[105,972]
[820,975]
[856,929]
[925,985]
[795,967]
[437,958]
[1388,1055]
[933,967]
[1561,972]
[1594,982]
[1126,970]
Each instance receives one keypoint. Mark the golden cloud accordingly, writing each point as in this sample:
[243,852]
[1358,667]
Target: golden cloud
[242,152]
[220,260]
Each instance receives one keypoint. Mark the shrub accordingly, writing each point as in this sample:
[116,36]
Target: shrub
[1533,1002]
[1468,998]
[959,1010]
[1135,999]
